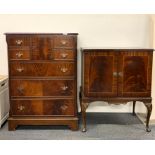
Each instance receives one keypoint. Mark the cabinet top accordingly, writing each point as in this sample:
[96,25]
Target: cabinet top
[10,33]
[114,48]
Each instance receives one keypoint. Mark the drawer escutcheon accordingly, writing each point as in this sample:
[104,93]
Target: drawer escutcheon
[21,108]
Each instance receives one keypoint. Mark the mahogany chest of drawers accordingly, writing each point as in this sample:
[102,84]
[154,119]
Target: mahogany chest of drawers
[116,76]
[42,79]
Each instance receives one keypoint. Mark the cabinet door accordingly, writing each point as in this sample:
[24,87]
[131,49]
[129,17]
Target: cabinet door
[135,69]
[100,73]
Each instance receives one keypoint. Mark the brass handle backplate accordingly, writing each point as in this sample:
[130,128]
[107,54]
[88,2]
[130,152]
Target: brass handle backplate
[19,55]
[63,42]
[115,74]
[64,87]
[64,70]
[21,108]
[64,107]
[20,70]
[19,42]
[20,89]
[64,55]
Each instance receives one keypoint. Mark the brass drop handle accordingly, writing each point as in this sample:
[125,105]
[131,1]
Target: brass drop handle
[114,74]
[63,42]
[19,42]
[64,107]
[19,55]
[21,108]
[64,55]
[117,74]
[64,70]
[20,70]
[20,89]
[64,87]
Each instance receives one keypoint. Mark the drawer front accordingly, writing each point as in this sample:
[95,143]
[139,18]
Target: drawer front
[19,40]
[19,54]
[64,41]
[39,107]
[41,69]
[63,54]
[39,88]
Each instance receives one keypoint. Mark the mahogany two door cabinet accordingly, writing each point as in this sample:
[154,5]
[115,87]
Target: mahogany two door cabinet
[116,76]
[42,79]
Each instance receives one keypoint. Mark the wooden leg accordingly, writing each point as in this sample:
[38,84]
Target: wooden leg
[84,120]
[74,126]
[83,114]
[12,126]
[84,106]
[149,110]
[133,112]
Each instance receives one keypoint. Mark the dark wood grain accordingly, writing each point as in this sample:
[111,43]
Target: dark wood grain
[19,54]
[57,107]
[136,72]
[18,40]
[46,88]
[41,69]
[99,73]
[64,42]
[63,54]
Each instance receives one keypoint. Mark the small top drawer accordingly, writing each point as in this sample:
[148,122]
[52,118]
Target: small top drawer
[18,40]
[64,41]
[63,54]
[19,54]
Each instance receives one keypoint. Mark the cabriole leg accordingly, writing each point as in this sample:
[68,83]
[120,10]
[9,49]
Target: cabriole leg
[83,113]
[149,110]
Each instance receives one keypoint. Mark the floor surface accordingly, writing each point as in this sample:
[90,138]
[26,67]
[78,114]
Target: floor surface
[100,126]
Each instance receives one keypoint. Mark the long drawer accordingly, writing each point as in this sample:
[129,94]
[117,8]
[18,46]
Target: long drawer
[41,69]
[39,107]
[39,88]
[25,53]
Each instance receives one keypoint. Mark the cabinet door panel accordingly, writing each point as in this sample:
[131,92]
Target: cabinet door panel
[100,73]
[135,73]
